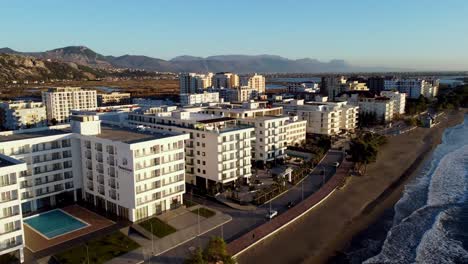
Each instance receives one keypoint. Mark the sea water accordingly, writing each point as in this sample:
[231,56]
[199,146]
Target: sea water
[430,221]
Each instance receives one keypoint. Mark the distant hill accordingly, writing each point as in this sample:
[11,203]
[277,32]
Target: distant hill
[20,68]
[82,55]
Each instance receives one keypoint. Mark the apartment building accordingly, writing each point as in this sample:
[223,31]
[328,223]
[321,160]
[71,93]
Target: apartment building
[255,81]
[332,86]
[413,87]
[60,100]
[295,131]
[303,87]
[20,115]
[11,221]
[218,150]
[399,101]
[326,118]
[271,127]
[382,107]
[225,80]
[199,98]
[113,98]
[128,173]
[194,82]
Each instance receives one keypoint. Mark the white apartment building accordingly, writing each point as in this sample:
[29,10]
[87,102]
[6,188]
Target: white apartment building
[128,173]
[399,101]
[194,82]
[295,131]
[11,220]
[326,118]
[255,81]
[271,128]
[382,107]
[303,87]
[60,100]
[199,98]
[20,114]
[413,87]
[218,149]
[225,80]
[113,98]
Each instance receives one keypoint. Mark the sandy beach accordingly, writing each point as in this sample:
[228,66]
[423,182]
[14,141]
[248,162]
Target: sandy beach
[329,228]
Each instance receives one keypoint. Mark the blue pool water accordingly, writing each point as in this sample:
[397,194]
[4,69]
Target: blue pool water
[54,223]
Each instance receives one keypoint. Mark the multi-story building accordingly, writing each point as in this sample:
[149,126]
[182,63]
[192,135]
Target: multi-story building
[356,86]
[254,81]
[399,101]
[113,98]
[199,98]
[218,150]
[382,107]
[225,80]
[194,82]
[303,87]
[128,173]
[331,86]
[295,131]
[11,220]
[20,114]
[413,87]
[271,128]
[326,118]
[60,100]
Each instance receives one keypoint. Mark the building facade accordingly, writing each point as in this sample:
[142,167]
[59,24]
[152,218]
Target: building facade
[399,101]
[194,82]
[60,100]
[20,115]
[225,80]
[255,81]
[113,98]
[199,98]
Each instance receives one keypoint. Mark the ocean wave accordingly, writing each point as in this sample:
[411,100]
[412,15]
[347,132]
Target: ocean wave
[418,233]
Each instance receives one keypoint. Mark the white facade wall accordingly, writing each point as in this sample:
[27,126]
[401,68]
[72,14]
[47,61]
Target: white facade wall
[19,115]
[11,221]
[59,101]
[399,101]
[199,98]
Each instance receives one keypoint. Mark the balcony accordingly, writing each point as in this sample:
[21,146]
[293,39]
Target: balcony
[9,199]
[5,246]
[11,214]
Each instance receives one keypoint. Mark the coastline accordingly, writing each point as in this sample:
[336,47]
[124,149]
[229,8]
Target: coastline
[329,228]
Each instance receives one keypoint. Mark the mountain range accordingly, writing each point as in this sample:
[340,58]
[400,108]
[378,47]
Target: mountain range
[82,55]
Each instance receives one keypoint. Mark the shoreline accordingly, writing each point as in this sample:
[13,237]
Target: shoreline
[329,229]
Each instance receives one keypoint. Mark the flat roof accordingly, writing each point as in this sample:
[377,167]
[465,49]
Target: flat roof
[214,120]
[35,134]
[130,136]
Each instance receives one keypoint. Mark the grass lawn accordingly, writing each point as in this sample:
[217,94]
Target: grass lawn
[100,250]
[207,213]
[189,203]
[160,229]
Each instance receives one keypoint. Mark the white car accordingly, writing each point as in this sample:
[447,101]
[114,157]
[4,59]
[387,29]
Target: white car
[271,214]
[336,164]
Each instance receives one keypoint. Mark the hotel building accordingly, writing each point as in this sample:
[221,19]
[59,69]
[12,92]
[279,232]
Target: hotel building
[20,115]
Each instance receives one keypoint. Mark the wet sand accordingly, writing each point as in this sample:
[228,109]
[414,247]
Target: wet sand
[329,228]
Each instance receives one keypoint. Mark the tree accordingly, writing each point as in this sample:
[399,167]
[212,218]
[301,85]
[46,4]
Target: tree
[364,150]
[214,252]
[196,258]
[54,121]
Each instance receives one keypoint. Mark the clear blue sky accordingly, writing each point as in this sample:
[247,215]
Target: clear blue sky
[423,34]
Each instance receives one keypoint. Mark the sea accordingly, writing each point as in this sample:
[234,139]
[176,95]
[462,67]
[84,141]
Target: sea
[429,224]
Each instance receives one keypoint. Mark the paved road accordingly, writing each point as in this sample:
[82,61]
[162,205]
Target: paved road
[243,221]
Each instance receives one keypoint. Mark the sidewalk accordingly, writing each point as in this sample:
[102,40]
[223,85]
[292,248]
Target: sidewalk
[180,218]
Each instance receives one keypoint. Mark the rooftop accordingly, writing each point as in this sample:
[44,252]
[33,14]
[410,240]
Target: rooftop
[128,135]
[34,134]
[5,162]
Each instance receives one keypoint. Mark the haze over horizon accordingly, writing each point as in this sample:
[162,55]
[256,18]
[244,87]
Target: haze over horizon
[420,35]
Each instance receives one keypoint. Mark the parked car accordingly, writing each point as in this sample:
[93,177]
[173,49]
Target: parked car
[336,164]
[271,214]
[290,204]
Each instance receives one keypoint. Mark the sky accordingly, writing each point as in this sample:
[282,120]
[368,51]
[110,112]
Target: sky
[411,34]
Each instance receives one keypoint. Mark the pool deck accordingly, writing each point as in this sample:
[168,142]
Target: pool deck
[37,242]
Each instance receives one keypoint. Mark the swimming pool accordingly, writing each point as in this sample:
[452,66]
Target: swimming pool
[54,223]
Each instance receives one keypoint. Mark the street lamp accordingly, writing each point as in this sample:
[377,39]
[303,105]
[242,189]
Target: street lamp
[87,252]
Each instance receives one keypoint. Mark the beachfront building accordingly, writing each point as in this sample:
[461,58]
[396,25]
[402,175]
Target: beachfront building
[254,81]
[271,127]
[381,107]
[60,100]
[225,80]
[194,82]
[199,98]
[113,98]
[217,151]
[399,101]
[128,173]
[413,87]
[20,115]
[11,220]
[326,118]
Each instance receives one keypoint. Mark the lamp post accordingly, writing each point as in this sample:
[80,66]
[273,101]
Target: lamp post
[87,252]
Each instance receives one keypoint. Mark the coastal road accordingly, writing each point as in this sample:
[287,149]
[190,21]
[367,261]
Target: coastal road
[243,221]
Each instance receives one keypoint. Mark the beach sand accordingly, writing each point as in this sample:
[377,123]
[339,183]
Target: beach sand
[329,228]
